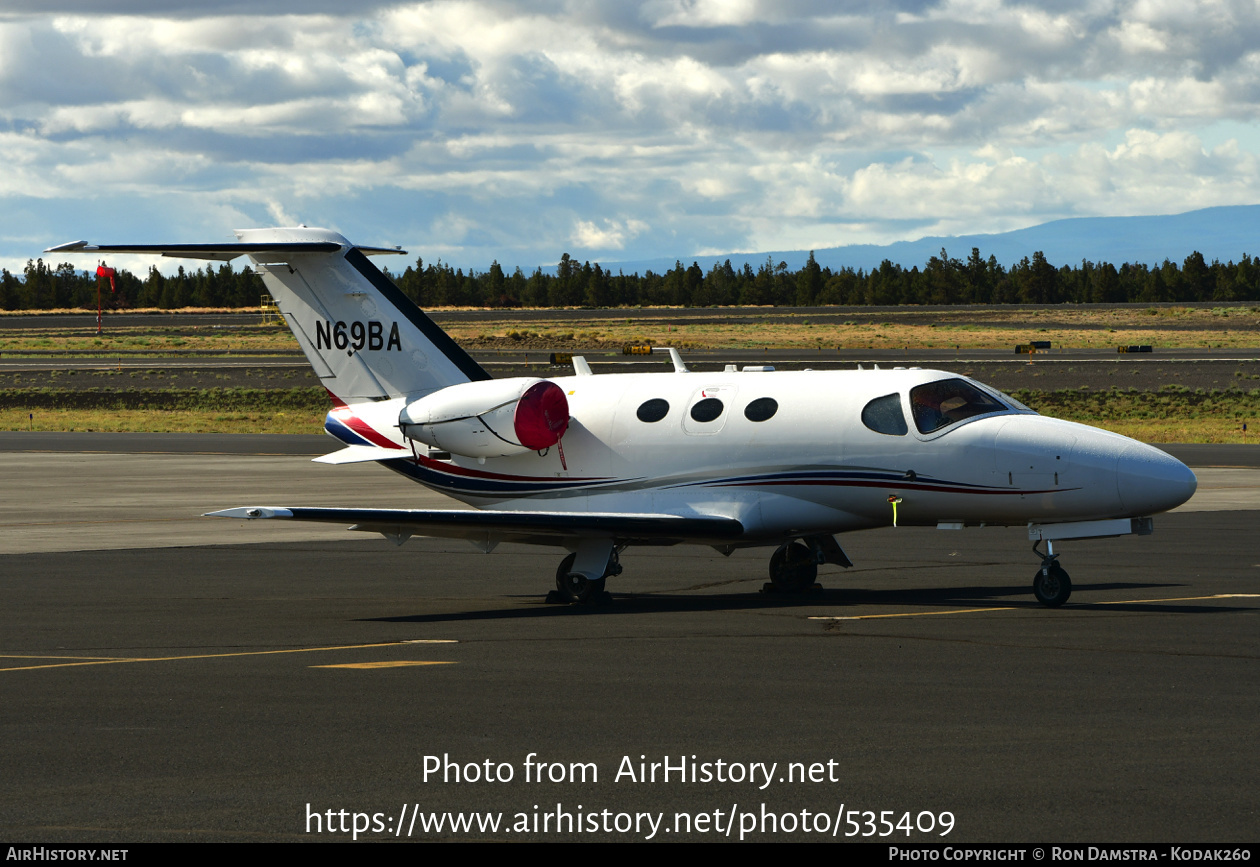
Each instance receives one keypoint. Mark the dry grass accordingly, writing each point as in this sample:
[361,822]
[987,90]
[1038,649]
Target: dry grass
[909,327]
[201,339]
[162,421]
[1202,430]
[107,314]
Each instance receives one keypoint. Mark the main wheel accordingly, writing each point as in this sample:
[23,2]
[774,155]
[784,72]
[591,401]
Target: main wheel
[1052,587]
[793,568]
[576,588]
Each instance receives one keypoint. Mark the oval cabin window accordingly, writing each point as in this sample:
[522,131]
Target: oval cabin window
[707,409]
[653,410]
[884,415]
[761,409]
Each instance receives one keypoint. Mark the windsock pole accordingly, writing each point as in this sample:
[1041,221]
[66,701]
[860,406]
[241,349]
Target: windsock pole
[102,271]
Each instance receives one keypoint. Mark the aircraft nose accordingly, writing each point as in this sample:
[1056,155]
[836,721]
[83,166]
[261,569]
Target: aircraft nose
[1150,480]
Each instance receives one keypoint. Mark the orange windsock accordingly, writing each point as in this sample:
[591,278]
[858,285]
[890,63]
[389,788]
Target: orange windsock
[102,271]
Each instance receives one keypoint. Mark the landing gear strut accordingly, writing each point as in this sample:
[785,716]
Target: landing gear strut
[574,587]
[1051,584]
[793,568]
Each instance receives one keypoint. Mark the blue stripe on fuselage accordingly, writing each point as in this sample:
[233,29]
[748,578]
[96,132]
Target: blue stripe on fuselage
[341,431]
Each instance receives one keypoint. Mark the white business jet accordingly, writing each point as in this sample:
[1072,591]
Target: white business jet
[599,463]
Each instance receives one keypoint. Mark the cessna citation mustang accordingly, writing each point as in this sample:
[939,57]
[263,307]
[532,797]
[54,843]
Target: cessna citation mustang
[598,463]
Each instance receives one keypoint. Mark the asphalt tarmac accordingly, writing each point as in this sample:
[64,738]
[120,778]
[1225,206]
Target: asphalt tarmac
[162,685]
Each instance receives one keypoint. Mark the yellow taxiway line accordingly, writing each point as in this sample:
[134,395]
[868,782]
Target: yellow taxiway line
[400,663]
[1018,608]
[915,613]
[114,660]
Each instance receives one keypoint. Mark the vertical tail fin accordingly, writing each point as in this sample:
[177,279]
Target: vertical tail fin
[364,338]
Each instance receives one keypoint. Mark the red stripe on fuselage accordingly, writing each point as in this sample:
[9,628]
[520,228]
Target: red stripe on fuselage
[344,414]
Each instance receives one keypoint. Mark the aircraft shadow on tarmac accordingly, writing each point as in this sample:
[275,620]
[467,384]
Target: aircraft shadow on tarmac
[915,600]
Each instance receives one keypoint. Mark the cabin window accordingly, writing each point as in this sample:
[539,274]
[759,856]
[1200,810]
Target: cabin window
[653,410]
[761,409]
[884,415]
[707,409]
[940,404]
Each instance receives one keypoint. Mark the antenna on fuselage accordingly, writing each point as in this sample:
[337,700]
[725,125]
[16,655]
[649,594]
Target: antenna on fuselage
[676,357]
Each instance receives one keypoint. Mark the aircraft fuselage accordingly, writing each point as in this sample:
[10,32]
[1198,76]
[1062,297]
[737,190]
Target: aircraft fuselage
[811,465]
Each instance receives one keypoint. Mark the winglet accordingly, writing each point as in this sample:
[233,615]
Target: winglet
[72,247]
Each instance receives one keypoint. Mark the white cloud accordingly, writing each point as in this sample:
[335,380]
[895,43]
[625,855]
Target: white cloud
[611,235]
[510,130]
[280,215]
[699,13]
[1136,37]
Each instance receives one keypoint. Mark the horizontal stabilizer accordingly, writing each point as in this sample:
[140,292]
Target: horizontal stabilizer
[536,527]
[222,252]
[357,454]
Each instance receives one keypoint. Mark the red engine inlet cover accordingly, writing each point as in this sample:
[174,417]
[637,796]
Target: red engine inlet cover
[542,416]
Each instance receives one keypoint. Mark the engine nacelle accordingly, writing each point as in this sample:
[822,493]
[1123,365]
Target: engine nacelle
[489,419]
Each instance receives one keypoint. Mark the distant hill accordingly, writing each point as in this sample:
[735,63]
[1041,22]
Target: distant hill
[1224,233]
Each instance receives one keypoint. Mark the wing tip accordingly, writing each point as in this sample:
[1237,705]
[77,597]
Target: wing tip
[70,247]
[249,513]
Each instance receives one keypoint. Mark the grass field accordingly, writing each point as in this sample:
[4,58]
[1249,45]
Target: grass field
[1181,327]
[262,339]
[971,328]
[163,421]
[208,410]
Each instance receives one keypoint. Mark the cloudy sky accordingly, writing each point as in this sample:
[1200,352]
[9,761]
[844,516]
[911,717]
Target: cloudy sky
[475,131]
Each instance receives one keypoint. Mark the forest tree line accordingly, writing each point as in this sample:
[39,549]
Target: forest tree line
[942,280]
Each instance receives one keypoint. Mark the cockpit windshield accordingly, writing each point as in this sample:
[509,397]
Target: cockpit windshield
[1015,404]
[937,405]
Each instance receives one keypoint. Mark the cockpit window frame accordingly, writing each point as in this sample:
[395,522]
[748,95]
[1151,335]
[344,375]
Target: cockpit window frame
[1003,407]
[1005,398]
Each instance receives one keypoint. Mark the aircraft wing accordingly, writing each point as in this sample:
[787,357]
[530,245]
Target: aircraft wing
[546,528]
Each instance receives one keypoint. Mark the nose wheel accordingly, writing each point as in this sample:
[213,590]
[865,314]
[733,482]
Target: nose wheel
[1051,584]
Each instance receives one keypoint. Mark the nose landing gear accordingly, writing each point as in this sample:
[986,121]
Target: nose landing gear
[1051,584]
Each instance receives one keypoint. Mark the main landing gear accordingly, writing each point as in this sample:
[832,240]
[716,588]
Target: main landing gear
[793,568]
[794,565]
[1051,584]
[575,588]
